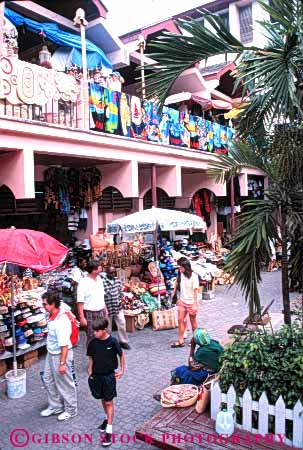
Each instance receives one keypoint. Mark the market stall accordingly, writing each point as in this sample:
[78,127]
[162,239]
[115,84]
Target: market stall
[23,322]
[157,276]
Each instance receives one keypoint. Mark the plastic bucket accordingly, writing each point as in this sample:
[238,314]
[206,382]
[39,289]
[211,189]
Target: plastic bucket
[16,385]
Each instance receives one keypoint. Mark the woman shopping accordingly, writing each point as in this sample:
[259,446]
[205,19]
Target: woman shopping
[187,303]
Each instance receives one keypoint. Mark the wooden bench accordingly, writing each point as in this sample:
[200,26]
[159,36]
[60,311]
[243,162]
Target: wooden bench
[184,428]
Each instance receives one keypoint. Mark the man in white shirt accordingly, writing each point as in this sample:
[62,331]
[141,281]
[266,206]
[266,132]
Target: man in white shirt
[78,273]
[90,298]
[58,375]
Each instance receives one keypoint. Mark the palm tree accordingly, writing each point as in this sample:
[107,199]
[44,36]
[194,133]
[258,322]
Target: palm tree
[278,217]
[272,82]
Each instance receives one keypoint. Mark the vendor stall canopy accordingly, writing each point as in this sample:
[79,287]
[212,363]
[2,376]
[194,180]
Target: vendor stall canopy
[51,31]
[149,219]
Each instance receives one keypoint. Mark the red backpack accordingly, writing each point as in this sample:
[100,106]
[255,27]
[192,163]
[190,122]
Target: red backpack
[74,337]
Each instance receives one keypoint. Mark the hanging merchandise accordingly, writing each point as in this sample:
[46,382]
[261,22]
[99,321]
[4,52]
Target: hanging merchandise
[68,189]
[210,136]
[230,132]
[174,127]
[164,126]
[83,219]
[197,205]
[138,126]
[119,113]
[256,187]
[192,128]
[124,116]
[185,134]
[217,140]
[111,111]
[97,103]
[202,133]
[151,120]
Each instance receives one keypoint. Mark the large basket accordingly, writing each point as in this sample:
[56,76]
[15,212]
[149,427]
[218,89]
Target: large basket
[179,396]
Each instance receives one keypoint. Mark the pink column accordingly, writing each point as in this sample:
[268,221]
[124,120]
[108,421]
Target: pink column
[18,174]
[154,185]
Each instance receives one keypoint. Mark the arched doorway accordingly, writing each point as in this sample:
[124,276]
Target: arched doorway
[113,199]
[112,205]
[204,205]
[7,201]
[163,200]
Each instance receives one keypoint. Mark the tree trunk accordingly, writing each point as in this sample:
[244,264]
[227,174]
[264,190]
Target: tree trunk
[285,281]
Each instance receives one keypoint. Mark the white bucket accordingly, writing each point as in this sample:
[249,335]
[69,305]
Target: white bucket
[225,424]
[16,385]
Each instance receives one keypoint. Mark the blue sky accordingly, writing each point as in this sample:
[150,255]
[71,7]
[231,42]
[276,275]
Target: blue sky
[128,15]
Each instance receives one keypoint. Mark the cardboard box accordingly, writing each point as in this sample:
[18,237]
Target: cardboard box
[30,355]
[130,324]
[3,368]
[28,363]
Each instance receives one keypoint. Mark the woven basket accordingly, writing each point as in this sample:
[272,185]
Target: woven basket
[165,403]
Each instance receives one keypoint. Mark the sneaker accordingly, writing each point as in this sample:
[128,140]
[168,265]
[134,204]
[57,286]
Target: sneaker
[106,440]
[125,345]
[65,416]
[102,427]
[50,411]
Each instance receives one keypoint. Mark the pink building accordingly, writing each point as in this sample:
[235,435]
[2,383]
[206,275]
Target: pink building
[44,122]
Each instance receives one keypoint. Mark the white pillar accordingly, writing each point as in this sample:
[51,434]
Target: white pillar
[234,22]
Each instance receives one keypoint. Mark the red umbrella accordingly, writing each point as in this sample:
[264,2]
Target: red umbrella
[33,249]
[30,248]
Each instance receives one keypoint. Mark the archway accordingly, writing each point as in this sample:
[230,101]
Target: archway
[7,201]
[113,199]
[112,205]
[163,200]
[204,204]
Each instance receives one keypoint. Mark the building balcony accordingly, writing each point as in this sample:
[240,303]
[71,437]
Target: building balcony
[32,94]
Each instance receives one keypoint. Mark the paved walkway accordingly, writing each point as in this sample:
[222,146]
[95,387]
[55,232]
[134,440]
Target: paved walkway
[148,366]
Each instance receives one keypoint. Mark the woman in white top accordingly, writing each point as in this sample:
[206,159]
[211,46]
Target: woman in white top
[187,302]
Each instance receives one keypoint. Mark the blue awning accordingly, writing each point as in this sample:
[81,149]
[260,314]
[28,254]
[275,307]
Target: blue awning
[95,56]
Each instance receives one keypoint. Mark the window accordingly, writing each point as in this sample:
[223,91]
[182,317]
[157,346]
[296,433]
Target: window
[225,18]
[245,17]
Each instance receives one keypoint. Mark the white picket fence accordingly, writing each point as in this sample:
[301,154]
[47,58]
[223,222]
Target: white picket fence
[264,409]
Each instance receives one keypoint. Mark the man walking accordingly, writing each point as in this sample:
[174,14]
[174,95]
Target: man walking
[90,298]
[58,375]
[112,296]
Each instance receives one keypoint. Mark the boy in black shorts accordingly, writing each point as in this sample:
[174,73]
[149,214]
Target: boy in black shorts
[103,351]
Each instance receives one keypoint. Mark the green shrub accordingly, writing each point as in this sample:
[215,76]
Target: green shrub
[266,362]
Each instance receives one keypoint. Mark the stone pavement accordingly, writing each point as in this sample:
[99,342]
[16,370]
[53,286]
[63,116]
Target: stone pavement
[148,366]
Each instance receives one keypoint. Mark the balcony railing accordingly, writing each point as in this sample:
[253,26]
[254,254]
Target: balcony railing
[30,92]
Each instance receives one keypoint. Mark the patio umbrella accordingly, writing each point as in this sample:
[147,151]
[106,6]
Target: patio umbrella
[33,249]
[150,219]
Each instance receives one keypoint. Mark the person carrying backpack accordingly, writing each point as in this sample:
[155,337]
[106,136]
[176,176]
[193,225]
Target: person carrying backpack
[58,372]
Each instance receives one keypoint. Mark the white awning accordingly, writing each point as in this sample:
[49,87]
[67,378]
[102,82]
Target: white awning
[204,102]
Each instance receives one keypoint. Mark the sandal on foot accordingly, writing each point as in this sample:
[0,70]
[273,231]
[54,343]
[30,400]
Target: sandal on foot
[177,344]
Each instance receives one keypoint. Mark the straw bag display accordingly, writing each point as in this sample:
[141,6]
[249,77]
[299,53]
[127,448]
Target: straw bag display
[164,320]
[204,394]
[179,396]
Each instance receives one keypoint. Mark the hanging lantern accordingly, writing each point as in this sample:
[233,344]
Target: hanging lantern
[44,54]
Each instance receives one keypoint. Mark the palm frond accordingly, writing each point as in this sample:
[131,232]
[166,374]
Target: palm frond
[251,241]
[175,53]
[241,155]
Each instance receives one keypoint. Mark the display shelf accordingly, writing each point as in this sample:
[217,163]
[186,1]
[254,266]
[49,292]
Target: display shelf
[33,347]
